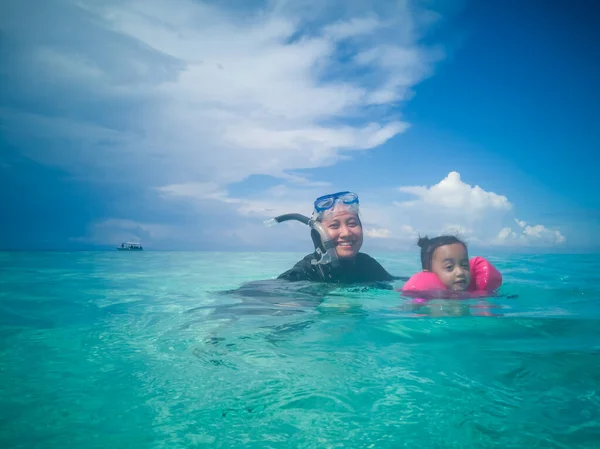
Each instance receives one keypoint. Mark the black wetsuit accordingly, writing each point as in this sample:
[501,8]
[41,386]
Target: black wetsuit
[363,268]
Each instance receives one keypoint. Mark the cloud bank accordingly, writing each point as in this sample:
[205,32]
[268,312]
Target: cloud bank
[451,206]
[187,99]
[188,91]
[478,216]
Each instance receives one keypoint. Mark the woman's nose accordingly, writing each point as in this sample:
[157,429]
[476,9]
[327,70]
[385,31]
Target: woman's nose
[344,230]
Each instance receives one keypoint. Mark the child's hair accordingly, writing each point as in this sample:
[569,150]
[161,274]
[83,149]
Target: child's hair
[428,247]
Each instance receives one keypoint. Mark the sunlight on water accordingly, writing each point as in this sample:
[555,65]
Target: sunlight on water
[177,350]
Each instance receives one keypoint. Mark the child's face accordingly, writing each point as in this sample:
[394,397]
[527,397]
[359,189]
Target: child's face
[451,264]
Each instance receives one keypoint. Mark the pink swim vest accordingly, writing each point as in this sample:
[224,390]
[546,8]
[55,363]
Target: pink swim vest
[485,279]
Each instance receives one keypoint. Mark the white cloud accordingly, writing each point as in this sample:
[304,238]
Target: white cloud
[452,194]
[197,190]
[387,224]
[479,216]
[526,235]
[274,201]
[354,27]
[378,233]
[213,95]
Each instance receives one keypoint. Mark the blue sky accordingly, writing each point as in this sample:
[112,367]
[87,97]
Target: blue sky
[185,124]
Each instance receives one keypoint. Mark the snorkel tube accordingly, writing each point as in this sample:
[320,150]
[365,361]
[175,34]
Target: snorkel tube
[324,245]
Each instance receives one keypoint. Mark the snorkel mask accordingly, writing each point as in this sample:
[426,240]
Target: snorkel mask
[323,206]
[327,204]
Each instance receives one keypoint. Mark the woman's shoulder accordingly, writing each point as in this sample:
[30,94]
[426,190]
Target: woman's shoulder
[365,258]
[368,264]
[303,270]
[361,255]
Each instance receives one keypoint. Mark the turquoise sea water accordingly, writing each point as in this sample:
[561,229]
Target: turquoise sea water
[165,350]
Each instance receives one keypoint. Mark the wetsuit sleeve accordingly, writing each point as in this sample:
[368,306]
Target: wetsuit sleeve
[302,271]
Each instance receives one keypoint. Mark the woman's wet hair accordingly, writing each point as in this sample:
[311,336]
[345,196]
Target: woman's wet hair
[428,247]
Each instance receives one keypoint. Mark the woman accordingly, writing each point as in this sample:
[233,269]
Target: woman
[338,237]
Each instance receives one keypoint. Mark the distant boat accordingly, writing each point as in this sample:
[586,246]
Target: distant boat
[130,246]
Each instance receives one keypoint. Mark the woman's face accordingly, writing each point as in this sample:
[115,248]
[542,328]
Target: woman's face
[345,230]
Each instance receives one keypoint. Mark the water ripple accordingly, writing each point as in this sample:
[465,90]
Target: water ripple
[176,350]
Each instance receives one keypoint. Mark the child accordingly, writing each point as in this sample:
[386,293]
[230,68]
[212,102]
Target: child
[446,268]
[447,257]
[447,272]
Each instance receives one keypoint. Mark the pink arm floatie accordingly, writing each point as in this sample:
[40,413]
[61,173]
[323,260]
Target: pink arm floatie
[424,281]
[485,278]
